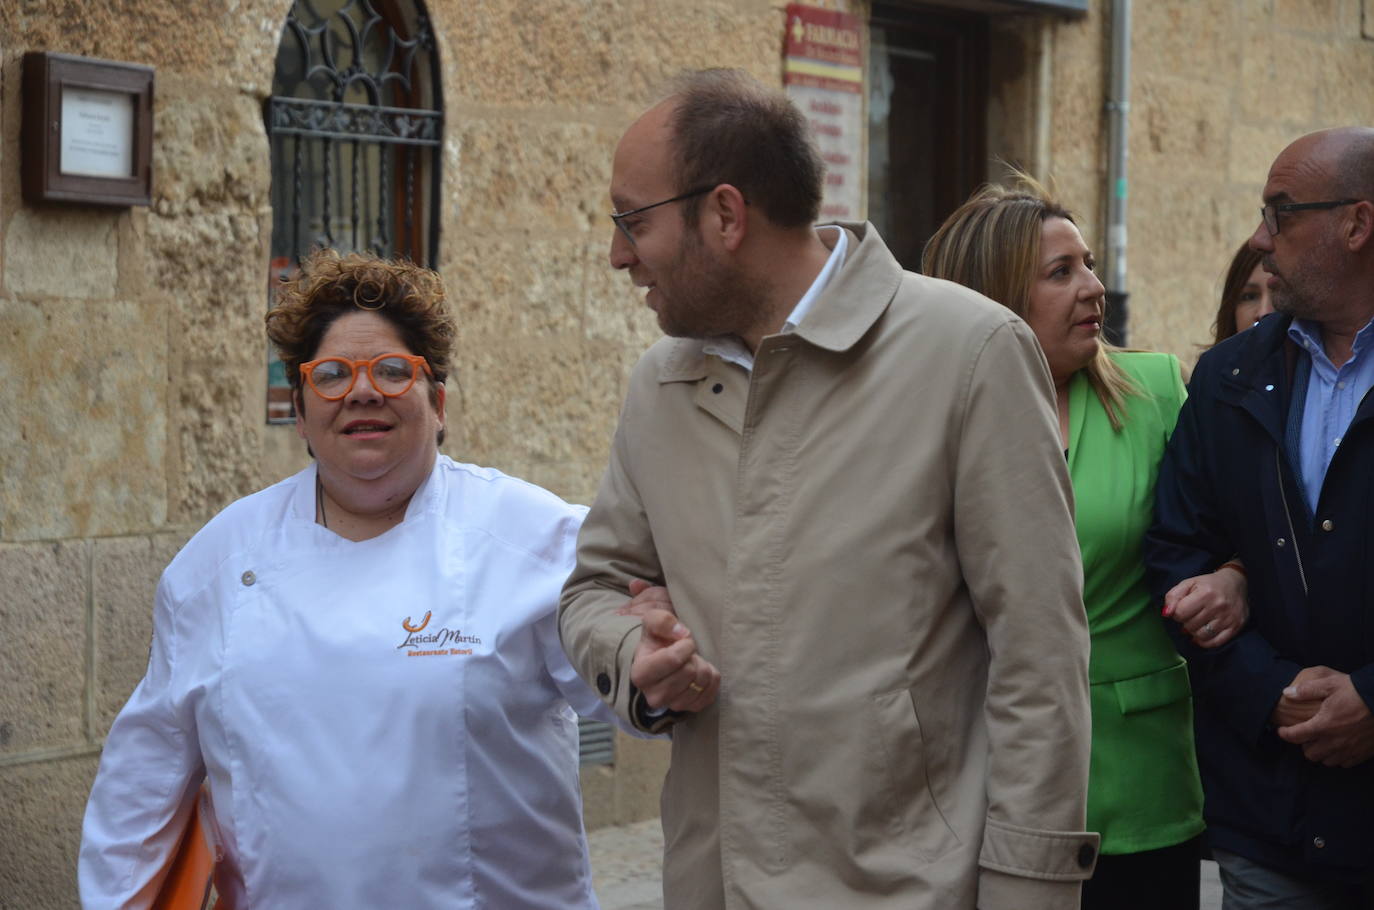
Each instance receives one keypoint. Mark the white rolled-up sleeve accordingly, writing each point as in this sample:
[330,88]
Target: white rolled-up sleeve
[150,770]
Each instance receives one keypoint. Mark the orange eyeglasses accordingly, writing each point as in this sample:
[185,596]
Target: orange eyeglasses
[391,374]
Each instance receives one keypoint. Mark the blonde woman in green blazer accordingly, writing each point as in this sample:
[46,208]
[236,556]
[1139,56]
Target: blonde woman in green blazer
[1116,411]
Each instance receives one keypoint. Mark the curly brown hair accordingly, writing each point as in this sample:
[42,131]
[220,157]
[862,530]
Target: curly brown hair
[330,285]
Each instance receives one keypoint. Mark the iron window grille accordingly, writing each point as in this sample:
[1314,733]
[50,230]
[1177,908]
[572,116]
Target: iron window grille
[355,124]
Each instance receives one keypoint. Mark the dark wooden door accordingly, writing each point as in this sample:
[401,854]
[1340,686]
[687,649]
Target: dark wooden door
[927,74]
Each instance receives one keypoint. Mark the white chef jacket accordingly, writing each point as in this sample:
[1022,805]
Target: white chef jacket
[383,723]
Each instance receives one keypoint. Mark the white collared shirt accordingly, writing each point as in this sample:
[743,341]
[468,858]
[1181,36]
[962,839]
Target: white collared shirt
[383,723]
[732,350]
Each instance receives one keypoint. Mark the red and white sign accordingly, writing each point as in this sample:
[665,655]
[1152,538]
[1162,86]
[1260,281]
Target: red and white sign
[823,70]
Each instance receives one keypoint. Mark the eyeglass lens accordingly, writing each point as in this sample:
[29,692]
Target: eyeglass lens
[390,376]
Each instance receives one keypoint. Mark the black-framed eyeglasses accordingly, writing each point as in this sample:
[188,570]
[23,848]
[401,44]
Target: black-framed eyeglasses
[1270,213]
[618,217]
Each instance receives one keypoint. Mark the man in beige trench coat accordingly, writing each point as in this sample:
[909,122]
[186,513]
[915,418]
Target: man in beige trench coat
[845,486]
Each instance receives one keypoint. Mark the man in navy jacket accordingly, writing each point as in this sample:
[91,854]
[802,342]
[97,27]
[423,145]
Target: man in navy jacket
[1272,464]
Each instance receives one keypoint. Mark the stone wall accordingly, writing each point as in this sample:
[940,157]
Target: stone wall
[131,346]
[1219,88]
[133,350]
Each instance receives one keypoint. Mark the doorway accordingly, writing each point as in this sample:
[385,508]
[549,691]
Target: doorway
[927,133]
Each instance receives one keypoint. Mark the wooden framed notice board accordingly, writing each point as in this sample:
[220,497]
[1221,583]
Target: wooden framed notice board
[88,131]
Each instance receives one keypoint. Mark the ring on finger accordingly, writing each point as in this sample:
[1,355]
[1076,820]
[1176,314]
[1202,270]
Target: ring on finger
[1208,630]
[695,688]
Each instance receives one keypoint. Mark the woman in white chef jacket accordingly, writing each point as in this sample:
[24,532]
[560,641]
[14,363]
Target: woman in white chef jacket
[363,660]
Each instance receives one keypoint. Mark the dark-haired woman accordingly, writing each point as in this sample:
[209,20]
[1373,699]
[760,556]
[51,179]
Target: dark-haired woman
[362,661]
[1244,295]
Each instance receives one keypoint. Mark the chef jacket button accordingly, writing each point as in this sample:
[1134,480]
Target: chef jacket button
[1086,855]
[1328,525]
[1235,372]
[248,578]
[1319,842]
[603,684]
[717,388]
[1280,542]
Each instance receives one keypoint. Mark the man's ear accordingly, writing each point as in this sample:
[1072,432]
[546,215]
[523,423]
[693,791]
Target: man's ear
[1360,232]
[729,215]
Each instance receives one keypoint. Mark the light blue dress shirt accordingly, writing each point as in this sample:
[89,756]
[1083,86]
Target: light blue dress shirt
[1333,394]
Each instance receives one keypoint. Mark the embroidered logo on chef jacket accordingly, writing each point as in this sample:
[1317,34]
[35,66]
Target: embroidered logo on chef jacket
[420,643]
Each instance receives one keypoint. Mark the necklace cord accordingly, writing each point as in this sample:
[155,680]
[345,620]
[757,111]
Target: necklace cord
[319,499]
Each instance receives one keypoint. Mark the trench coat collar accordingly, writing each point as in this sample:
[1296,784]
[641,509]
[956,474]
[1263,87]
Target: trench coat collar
[857,295]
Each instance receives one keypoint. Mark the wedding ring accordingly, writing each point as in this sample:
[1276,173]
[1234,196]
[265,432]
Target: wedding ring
[695,688]
[1207,627]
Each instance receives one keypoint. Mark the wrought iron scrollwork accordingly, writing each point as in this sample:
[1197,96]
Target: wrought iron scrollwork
[356,46]
[355,98]
[299,116]
[355,122]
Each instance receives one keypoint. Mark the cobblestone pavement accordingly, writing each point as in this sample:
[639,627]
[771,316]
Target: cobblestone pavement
[625,867]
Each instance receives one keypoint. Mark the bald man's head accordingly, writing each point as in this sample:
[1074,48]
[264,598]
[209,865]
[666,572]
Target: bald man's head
[1352,149]
[1317,238]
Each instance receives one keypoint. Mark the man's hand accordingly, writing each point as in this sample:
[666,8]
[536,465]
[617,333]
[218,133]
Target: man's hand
[666,666]
[645,597]
[1212,608]
[1341,731]
[1298,702]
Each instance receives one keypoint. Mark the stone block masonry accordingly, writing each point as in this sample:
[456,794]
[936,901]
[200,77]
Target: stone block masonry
[132,352]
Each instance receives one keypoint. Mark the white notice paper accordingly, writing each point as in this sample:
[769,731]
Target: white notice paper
[838,126]
[97,133]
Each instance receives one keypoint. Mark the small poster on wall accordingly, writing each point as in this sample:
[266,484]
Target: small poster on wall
[823,70]
[97,133]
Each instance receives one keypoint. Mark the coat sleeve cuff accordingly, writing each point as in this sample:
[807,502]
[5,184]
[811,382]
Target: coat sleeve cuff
[613,685]
[609,657]
[1363,681]
[1000,891]
[1035,854]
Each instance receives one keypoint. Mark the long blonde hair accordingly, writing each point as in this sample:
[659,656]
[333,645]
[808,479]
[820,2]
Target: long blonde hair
[992,244]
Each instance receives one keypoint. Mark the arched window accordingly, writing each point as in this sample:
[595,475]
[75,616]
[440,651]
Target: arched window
[355,123]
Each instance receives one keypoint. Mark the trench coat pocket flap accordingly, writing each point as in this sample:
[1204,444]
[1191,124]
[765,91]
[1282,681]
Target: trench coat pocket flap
[1153,690]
